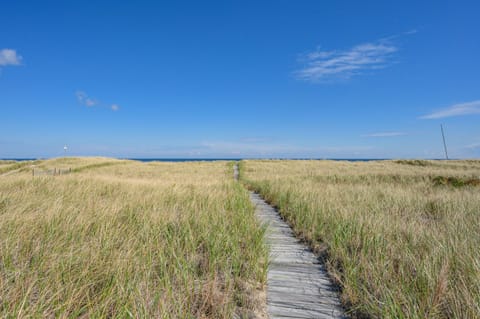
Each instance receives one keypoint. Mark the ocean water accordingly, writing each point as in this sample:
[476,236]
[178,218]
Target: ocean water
[239,159]
[221,159]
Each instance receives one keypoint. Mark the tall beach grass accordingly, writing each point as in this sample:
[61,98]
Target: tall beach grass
[401,238]
[122,239]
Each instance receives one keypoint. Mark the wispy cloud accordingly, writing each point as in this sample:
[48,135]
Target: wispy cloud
[256,139]
[330,65]
[9,57]
[324,66]
[460,109]
[385,134]
[88,101]
[84,99]
[275,149]
[473,146]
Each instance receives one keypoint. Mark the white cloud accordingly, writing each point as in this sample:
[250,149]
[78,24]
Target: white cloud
[90,102]
[272,149]
[84,99]
[81,96]
[331,65]
[256,139]
[468,108]
[385,134]
[87,101]
[9,57]
[473,146]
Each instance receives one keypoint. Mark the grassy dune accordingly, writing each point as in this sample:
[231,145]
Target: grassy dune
[402,238]
[8,166]
[127,239]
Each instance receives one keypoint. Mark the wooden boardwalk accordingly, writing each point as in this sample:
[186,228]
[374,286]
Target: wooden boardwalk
[298,285]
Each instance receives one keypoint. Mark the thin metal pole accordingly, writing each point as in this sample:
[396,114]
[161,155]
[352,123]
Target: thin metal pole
[444,144]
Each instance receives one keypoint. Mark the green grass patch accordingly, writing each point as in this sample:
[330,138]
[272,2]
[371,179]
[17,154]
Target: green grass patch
[413,162]
[455,181]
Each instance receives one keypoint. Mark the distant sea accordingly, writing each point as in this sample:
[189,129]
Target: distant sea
[239,159]
[221,159]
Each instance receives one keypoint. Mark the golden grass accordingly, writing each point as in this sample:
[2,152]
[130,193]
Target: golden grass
[402,238]
[9,166]
[126,239]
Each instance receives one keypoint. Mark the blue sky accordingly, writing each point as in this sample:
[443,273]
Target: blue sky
[326,79]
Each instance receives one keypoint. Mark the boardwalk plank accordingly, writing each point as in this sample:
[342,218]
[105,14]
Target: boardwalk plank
[298,285]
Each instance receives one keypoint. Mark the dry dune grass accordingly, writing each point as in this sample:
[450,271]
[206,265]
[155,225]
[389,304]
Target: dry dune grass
[401,238]
[5,163]
[127,239]
[8,166]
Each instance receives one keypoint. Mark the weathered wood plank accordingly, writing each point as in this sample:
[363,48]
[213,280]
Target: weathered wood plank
[298,285]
